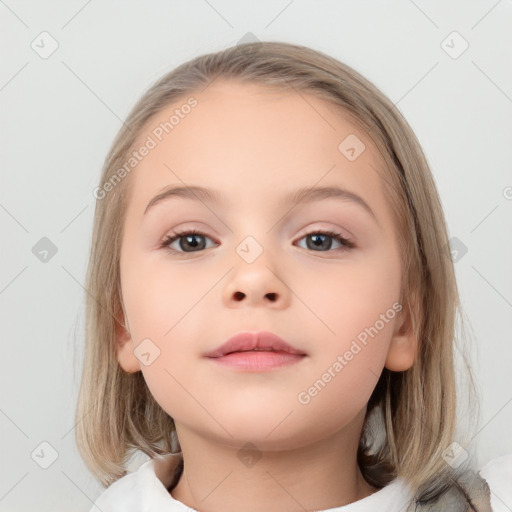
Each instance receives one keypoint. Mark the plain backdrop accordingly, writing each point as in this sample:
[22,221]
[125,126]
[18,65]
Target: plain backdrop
[445,64]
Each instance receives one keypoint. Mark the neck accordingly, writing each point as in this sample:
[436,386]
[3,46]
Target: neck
[318,476]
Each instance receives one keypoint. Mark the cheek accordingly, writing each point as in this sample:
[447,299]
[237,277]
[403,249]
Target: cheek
[356,308]
[349,298]
[159,299]
[161,306]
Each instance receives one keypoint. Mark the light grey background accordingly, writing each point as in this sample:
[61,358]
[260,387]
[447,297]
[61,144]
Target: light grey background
[59,115]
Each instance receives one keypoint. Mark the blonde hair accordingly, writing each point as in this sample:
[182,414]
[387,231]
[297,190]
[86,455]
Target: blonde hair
[117,415]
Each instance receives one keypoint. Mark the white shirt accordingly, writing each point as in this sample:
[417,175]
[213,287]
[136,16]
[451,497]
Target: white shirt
[145,490]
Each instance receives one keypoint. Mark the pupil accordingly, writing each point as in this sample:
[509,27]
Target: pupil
[192,241]
[318,241]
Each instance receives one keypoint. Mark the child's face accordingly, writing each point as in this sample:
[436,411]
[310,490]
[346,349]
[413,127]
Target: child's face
[256,148]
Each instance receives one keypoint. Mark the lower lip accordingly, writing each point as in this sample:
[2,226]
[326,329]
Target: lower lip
[258,360]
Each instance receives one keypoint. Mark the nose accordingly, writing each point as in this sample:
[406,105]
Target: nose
[238,296]
[256,284]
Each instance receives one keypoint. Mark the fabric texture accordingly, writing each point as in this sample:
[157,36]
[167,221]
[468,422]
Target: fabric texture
[146,490]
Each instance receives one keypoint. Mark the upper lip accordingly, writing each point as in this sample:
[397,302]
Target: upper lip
[250,340]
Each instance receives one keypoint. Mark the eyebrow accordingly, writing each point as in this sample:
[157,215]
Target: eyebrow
[300,196]
[194,192]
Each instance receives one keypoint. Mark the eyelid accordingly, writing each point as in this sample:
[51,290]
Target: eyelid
[347,235]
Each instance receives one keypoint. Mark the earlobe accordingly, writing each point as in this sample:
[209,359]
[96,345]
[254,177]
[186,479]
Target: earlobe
[403,347]
[124,348]
[401,355]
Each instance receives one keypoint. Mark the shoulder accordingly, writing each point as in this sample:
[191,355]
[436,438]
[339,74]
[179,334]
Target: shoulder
[488,490]
[498,475]
[128,493]
[143,490]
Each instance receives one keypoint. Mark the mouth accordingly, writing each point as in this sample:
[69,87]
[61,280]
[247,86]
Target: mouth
[256,352]
[262,341]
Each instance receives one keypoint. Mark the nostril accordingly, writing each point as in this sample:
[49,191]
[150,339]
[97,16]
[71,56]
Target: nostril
[239,295]
[271,296]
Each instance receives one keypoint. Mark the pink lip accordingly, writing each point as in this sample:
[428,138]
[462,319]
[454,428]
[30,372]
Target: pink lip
[237,352]
[246,341]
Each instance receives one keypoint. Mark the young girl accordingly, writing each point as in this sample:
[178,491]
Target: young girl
[271,301]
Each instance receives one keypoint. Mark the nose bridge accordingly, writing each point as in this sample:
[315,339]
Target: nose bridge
[254,241]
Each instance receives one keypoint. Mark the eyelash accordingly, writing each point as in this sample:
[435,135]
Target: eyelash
[178,234]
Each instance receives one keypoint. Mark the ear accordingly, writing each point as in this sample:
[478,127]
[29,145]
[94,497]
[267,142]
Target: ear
[404,344]
[125,347]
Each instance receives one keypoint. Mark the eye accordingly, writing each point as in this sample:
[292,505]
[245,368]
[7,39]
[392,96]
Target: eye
[194,241]
[323,240]
[189,239]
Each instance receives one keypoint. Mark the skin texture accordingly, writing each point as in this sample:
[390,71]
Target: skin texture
[256,146]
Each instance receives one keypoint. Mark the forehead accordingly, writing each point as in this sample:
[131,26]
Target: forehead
[250,141]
